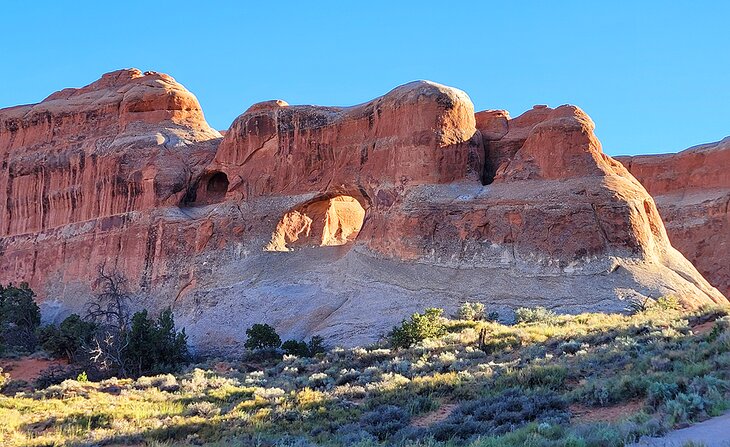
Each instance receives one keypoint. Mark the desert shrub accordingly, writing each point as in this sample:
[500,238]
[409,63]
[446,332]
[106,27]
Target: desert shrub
[501,414]
[354,434]
[570,347]
[494,343]
[669,302]
[644,304]
[203,409]
[69,339]
[418,328]
[548,376]
[685,407]
[639,305]
[471,311]
[660,392]
[262,337]
[4,379]
[534,315]
[492,316]
[384,421]
[164,382]
[602,392]
[54,375]
[20,317]
[155,346]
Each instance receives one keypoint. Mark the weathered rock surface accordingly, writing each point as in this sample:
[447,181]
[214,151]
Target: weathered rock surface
[336,221]
[692,191]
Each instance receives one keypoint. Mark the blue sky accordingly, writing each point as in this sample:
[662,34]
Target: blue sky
[654,76]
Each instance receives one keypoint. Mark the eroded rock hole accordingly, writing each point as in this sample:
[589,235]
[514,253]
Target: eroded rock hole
[217,184]
[211,188]
[325,222]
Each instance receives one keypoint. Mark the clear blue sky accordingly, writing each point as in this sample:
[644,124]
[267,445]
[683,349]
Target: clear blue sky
[654,76]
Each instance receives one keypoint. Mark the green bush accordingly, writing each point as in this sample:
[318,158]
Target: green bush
[304,349]
[298,348]
[471,311]
[262,337]
[685,407]
[69,339]
[660,392]
[418,328]
[534,315]
[20,317]
[155,346]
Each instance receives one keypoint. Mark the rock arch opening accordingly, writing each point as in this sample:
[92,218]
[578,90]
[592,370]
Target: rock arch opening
[326,221]
[217,184]
[211,188]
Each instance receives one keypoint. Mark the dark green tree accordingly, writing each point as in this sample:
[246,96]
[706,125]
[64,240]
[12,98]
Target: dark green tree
[316,346]
[20,317]
[298,348]
[70,339]
[172,346]
[304,349]
[139,354]
[261,337]
[155,346]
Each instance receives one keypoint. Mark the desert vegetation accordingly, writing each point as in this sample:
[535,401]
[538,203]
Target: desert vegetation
[546,380]
[108,341]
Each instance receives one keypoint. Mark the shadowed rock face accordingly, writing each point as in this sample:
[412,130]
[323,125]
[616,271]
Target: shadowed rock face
[323,220]
[692,191]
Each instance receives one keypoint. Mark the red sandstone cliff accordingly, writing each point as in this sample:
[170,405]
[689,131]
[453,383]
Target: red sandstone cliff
[692,191]
[329,220]
[83,171]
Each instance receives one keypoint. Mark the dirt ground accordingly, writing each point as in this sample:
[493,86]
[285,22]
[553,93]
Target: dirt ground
[605,414]
[435,416]
[26,368]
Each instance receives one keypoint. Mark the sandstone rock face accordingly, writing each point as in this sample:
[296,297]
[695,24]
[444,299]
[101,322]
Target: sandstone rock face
[692,191]
[336,221]
[83,171]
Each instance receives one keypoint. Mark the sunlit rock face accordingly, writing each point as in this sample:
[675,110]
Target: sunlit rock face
[337,221]
[83,175]
[692,191]
[321,223]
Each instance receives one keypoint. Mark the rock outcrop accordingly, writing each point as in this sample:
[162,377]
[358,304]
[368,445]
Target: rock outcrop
[692,191]
[337,221]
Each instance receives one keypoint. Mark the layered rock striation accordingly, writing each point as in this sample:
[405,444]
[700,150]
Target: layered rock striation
[336,221]
[692,191]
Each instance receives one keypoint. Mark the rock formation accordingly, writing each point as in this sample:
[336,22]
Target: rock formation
[336,221]
[692,191]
